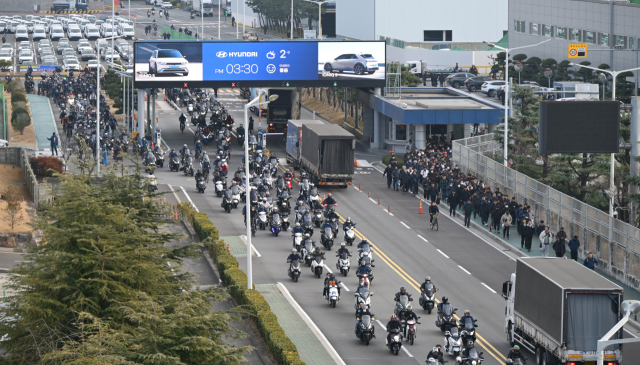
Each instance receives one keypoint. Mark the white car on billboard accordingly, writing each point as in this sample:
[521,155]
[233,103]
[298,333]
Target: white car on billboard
[358,63]
[168,61]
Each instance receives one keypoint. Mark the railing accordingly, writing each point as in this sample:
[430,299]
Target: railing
[18,156]
[616,244]
[393,42]
[4,113]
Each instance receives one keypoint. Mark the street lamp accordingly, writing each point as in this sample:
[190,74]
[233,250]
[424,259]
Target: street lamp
[291,36]
[319,15]
[506,92]
[613,92]
[629,307]
[253,102]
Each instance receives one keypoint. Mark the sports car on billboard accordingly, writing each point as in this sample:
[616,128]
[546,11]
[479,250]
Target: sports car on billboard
[357,63]
[168,61]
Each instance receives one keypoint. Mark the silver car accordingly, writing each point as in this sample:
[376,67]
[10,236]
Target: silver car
[168,61]
[359,64]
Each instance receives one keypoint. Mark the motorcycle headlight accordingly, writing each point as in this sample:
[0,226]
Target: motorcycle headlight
[458,359]
[474,362]
[396,337]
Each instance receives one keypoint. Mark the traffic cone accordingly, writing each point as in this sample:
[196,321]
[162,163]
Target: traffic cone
[228,248]
[145,97]
[355,162]
[165,97]
[175,213]
[369,194]
[322,197]
[420,211]
[389,209]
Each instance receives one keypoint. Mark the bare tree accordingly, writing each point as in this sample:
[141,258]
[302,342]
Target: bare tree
[13,211]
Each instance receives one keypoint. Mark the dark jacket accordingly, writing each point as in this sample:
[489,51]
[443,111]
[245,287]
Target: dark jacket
[452,199]
[574,245]
[559,248]
[590,262]
[467,208]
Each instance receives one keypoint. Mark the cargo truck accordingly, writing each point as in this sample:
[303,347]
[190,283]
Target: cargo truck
[558,309]
[294,140]
[281,110]
[328,154]
[203,7]
[70,5]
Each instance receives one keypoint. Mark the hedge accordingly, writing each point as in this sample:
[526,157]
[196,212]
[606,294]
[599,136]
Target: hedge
[280,346]
[387,158]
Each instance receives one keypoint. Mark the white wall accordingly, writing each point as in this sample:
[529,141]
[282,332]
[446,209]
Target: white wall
[439,59]
[470,21]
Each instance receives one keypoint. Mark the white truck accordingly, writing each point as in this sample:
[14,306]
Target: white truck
[558,309]
[203,7]
[416,67]
[70,5]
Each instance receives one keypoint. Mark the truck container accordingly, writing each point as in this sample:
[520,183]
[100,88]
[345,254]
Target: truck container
[328,154]
[281,110]
[558,309]
[203,7]
[294,140]
[70,5]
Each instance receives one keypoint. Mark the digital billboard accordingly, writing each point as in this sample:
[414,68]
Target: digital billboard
[259,64]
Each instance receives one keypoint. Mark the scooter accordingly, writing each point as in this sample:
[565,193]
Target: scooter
[200,185]
[297,240]
[327,238]
[294,270]
[274,225]
[453,342]
[285,221]
[427,298]
[410,330]
[363,296]
[220,187]
[317,265]
[396,341]
[307,247]
[349,236]
[332,296]
[262,220]
[366,330]
[343,263]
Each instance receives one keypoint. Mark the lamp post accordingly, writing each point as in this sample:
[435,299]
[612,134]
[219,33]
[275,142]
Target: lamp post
[319,15]
[613,97]
[291,35]
[219,2]
[202,19]
[628,307]
[506,93]
[253,102]
[98,114]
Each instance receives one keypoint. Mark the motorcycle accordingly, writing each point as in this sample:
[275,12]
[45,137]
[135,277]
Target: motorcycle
[220,186]
[274,225]
[343,263]
[174,164]
[226,201]
[307,247]
[314,196]
[433,361]
[240,139]
[160,158]
[410,330]
[332,295]
[402,305]
[396,341]
[474,358]
[327,238]
[317,265]
[294,270]
[363,279]
[307,224]
[187,166]
[453,342]
[317,217]
[427,298]
[190,109]
[366,248]
[288,183]
[329,208]
[285,221]
[468,332]
[262,220]
[514,362]
[200,185]
[349,236]
[363,296]
[366,331]
[297,241]
[235,200]
[445,315]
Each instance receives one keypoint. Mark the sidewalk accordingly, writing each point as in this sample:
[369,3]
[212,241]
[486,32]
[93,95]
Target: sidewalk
[294,322]
[42,120]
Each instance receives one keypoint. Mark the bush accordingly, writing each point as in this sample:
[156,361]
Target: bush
[15,112]
[22,121]
[18,96]
[45,166]
[15,85]
[387,158]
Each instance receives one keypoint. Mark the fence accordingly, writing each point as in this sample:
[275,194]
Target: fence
[18,156]
[616,244]
[177,35]
[3,115]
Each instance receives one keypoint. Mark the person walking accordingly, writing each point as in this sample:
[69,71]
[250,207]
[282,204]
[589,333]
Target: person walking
[424,76]
[506,224]
[545,239]
[591,262]
[574,245]
[233,21]
[441,79]
[54,144]
[467,208]
[388,172]
[265,29]
[559,248]
[529,230]
[396,178]
[453,203]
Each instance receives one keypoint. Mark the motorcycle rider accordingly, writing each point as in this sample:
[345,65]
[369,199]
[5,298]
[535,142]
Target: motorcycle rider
[403,291]
[184,151]
[445,300]
[348,224]
[199,175]
[362,243]
[408,315]
[465,352]
[316,252]
[467,314]
[515,353]
[294,256]
[329,200]
[327,224]
[217,177]
[328,281]
[364,269]
[392,325]
[206,164]
[288,175]
[297,229]
[427,280]
[198,146]
[240,130]
[149,158]
[436,353]
[343,249]
[172,154]
[363,311]
[300,206]
[182,119]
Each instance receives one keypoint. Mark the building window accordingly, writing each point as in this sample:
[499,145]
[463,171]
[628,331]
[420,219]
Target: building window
[632,43]
[620,41]
[604,39]
[401,132]
[448,35]
[534,28]
[575,34]
[589,37]
[518,26]
[561,32]
[433,35]
[548,30]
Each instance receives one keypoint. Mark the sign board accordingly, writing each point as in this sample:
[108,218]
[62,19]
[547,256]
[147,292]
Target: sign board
[577,51]
[39,68]
[310,34]
[259,64]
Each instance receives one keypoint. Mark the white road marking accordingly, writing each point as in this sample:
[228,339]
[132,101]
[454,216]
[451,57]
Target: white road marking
[385,328]
[355,187]
[373,201]
[405,225]
[407,351]
[190,201]
[487,286]
[424,239]
[463,269]
[331,272]
[443,254]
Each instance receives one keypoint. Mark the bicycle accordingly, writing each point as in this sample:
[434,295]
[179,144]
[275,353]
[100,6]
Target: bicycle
[434,222]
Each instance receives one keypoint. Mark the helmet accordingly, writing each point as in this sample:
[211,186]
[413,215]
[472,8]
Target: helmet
[329,195]
[288,170]
[304,174]
[403,289]
[516,348]
[240,125]
[300,202]
[173,150]
[307,235]
[198,172]
[427,279]
[293,250]
[364,240]
[362,263]
[342,244]
[467,313]
[445,300]
[268,194]
[185,145]
[393,317]
[348,219]
[470,344]
[332,276]
[409,308]
[435,349]
[297,224]
[264,199]
[366,254]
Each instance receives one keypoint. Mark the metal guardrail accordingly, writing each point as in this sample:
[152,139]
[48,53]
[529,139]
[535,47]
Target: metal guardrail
[4,112]
[616,244]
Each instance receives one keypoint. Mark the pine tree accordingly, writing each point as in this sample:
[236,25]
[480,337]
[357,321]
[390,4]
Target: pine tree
[100,290]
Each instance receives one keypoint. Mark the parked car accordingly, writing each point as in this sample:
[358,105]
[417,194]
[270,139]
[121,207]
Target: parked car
[71,64]
[93,65]
[56,33]
[22,33]
[6,56]
[457,79]
[474,84]
[166,5]
[168,61]
[110,55]
[91,32]
[359,64]
[491,87]
[88,54]
[25,56]
[39,33]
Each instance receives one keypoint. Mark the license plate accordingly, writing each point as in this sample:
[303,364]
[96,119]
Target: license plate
[174,67]
[590,363]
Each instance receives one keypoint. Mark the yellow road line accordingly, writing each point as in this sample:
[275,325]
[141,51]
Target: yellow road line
[480,340]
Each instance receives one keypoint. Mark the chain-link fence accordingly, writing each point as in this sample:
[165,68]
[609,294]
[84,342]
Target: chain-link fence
[616,247]
[175,34]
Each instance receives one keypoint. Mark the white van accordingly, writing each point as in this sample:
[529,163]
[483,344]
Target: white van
[106,30]
[22,34]
[39,33]
[126,31]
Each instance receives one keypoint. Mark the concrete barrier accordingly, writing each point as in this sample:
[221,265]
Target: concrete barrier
[18,156]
